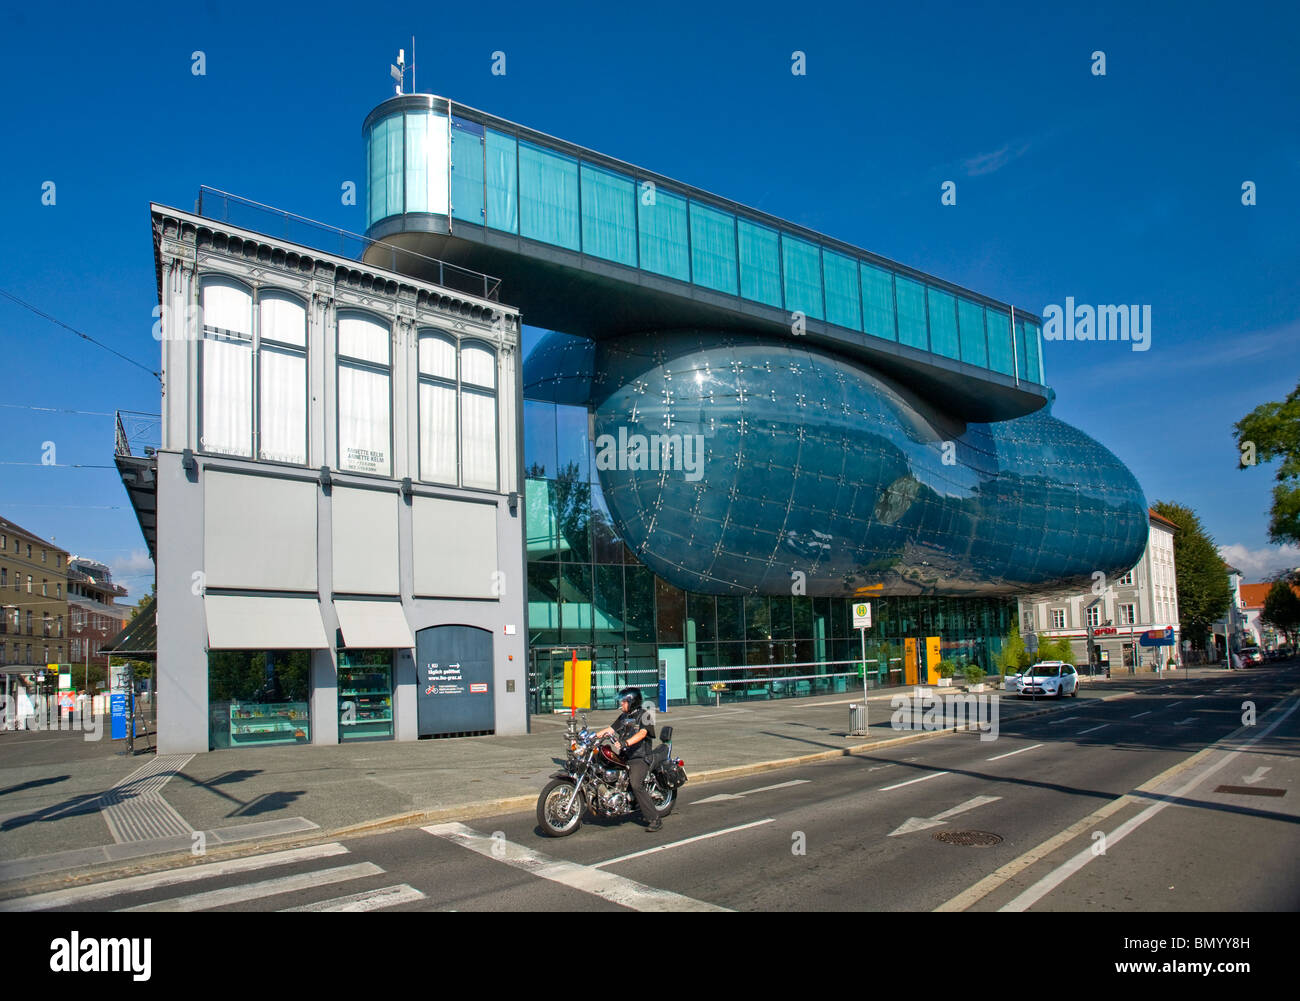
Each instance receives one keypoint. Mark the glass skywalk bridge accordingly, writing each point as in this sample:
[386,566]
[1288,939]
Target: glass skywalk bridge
[599,248]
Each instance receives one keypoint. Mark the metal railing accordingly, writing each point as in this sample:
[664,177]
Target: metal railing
[136,433]
[245,213]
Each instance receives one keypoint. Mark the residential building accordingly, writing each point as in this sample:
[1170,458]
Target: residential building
[1117,611]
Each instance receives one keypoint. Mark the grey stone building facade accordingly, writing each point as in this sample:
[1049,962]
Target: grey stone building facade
[339,542]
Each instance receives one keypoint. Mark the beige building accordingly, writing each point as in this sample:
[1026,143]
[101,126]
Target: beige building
[1116,612]
[33,601]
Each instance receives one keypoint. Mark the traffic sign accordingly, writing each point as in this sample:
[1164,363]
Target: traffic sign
[862,615]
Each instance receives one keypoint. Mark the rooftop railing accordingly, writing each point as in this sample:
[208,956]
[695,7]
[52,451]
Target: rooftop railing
[245,213]
[136,433]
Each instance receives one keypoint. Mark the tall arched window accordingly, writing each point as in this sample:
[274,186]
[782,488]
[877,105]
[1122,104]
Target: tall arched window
[282,379]
[438,418]
[478,415]
[231,341]
[365,403]
[226,421]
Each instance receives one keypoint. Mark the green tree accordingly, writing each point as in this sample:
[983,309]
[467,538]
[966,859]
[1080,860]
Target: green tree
[1056,649]
[1200,574]
[1014,656]
[1282,609]
[1272,431]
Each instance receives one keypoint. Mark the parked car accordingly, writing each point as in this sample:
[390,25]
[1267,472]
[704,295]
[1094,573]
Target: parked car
[1050,678]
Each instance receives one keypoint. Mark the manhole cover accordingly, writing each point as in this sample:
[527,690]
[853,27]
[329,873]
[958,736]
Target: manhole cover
[969,839]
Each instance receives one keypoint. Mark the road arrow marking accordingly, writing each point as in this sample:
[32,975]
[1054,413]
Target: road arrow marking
[749,792]
[1258,774]
[913,824]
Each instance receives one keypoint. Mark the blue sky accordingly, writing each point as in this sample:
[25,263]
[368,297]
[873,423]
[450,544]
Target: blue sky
[1123,188]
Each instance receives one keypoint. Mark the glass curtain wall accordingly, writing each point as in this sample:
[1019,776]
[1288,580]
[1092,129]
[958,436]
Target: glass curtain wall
[588,593]
[425,161]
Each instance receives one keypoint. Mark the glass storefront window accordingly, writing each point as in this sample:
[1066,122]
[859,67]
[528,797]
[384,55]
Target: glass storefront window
[365,695]
[258,697]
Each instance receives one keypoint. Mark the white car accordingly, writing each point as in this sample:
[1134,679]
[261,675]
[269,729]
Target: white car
[1050,679]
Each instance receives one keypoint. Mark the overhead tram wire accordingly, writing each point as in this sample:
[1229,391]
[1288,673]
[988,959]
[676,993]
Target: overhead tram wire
[85,337]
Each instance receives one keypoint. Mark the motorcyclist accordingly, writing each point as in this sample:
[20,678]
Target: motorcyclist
[633,733]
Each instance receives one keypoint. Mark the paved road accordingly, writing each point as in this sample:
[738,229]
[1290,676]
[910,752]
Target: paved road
[860,833]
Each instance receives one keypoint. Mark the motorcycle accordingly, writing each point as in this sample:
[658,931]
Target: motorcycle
[596,779]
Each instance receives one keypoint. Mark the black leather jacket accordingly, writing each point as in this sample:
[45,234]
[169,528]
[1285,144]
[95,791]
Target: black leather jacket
[627,726]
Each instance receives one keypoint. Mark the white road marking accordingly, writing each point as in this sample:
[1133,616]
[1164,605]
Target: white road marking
[922,823]
[1090,729]
[1172,705]
[675,844]
[999,757]
[153,881]
[1054,879]
[266,888]
[1258,774]
[1065,719]
[616,889]
[1182,722]
[1140,715]
[369,900]
[749,792]
[932,775]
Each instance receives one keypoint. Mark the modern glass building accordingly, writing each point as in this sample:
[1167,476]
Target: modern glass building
[734,426]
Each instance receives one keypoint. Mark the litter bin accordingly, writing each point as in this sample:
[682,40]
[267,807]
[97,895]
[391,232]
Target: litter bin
[857,719]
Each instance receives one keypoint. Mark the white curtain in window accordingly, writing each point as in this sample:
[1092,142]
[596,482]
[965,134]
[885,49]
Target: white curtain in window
[364,416]
[478,416]
[364,339]
[227,306]
[283,320]
[437,433]
[437,357]
[478,366]
[283,406]
[226,424]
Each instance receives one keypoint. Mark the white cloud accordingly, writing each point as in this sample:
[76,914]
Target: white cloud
[988,163]
[1260,564]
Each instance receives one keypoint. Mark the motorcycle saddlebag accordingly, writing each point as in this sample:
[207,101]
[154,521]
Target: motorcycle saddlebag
[672,774]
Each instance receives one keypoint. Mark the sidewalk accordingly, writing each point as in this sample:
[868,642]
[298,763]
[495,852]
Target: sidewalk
[68,804]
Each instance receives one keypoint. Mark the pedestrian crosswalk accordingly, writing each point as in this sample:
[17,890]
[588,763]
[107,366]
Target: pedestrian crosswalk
[120,891]
[328,877]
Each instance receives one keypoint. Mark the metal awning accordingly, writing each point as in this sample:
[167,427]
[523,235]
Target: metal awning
[140,636]
[374,624]
[263,622]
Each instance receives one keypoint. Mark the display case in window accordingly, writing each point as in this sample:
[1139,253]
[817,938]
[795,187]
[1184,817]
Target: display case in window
[365,696]
[257,723]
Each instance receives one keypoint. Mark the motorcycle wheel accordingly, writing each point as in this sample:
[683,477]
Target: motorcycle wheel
[664,798]
[550,806]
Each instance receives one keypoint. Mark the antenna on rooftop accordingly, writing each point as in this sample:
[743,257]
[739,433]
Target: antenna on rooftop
[398,72]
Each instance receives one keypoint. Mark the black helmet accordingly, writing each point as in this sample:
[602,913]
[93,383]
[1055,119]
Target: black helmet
[633,698]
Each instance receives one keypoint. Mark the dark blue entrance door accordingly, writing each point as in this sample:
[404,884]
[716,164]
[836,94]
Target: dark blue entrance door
[455,680]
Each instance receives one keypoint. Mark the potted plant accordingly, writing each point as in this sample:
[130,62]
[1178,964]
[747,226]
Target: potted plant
[945,669]
[974,678]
